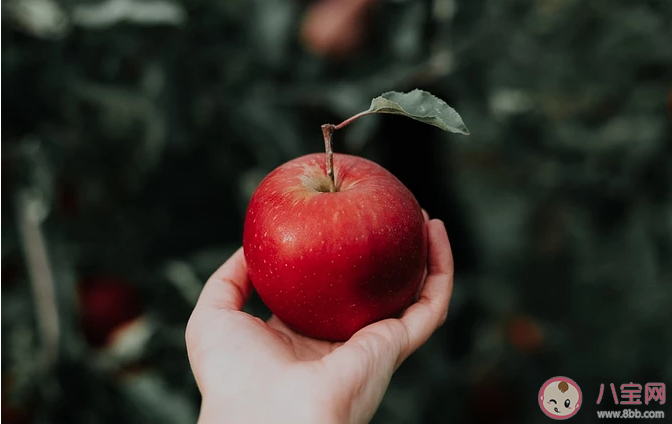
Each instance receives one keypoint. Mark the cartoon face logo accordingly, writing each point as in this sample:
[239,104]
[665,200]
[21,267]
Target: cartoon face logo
[560,398]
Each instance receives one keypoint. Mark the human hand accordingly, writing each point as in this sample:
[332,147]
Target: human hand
[253,371]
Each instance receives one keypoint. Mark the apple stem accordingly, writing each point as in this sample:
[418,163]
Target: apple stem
[328,133]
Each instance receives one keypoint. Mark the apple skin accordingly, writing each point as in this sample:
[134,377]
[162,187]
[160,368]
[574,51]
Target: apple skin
[328,264]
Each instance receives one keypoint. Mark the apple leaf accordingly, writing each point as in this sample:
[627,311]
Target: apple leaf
[421,106]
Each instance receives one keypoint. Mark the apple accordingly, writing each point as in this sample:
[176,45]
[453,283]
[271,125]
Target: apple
[107,304]
[335,242]
[335,29]
[330,256]
[525,335]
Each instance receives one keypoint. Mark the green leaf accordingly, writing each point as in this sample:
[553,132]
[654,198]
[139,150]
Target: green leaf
[421,106]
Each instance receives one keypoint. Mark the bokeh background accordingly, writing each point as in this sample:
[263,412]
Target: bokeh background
[134,133]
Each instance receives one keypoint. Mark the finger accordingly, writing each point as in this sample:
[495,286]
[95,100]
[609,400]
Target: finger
[426,315]
[424,274]
[228,288]
[368,360]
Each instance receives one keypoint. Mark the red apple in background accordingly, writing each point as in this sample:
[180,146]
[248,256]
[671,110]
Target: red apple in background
[328,263]
[525,335]
[107,303]
[335,29]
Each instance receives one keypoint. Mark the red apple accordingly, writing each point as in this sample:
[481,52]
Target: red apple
[525,335]
[329,263]
[335,28]
[106,303]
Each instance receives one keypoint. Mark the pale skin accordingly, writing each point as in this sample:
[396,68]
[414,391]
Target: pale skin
[253,371]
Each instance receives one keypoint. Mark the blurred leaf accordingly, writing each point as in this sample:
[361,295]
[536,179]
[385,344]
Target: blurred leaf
[41,18]
[110,12]
[421,106]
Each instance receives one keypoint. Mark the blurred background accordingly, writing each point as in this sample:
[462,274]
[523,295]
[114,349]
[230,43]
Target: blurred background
[134,133]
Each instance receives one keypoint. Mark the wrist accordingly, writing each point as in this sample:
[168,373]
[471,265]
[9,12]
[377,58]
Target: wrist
[259,410]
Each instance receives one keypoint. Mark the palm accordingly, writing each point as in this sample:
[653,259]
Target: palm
[277,340]
[303,348]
